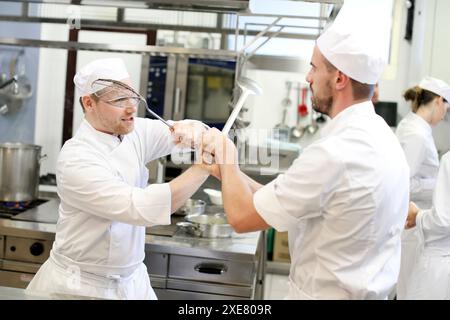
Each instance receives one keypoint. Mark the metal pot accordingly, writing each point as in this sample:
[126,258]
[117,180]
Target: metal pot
[192,206]
[19,171]
[207,225]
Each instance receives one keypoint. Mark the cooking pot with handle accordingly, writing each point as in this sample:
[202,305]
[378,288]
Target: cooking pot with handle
[19,172]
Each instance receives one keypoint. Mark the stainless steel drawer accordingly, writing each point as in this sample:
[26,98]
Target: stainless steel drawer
[157,263]
[211,270]
[169,294]
[2,246]
[15,279]
[158,282]
[213,288]
[26,249]
[27,267]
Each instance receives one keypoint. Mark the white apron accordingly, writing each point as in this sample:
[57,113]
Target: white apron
[411,250]
[61,281]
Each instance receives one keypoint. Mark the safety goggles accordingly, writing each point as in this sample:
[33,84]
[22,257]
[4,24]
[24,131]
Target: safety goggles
[119,94]
[116,93]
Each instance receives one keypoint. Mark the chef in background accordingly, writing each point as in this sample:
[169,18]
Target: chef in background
[340,200]
[106,203]
[425,272]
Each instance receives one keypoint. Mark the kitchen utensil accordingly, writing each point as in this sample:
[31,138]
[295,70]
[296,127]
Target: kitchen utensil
[287,101]
[155,114]
[282,130]
[192,206]
[19,171]
[298,130]
[215,196]
[303,108]
[248,87]
[207,225]
[321,118]
[312,127]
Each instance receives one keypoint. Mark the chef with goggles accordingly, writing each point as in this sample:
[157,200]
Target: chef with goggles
[106,203]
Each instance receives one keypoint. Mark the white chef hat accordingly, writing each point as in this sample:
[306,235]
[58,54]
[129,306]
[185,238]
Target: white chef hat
[436,86]
[110,68]
[356,46]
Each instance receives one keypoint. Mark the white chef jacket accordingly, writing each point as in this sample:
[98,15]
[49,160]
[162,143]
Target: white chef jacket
[416,139]
[434,224]
[430,277]
[105,200]
[340,203]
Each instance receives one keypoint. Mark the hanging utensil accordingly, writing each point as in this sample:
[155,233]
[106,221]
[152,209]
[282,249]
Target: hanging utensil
[303,108]
[313,126]
[287,100]
[298,130]
[321,118]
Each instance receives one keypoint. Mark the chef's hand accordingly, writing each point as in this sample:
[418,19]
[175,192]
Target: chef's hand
[413,210]
[213,169]
[188,133]
[217,148]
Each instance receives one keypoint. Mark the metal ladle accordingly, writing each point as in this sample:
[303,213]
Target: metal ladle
[248,87]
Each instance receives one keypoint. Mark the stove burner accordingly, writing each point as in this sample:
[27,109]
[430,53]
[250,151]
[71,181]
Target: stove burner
[15,205]
[10,208]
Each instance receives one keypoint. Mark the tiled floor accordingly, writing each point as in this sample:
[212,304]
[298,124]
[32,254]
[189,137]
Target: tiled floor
[276,286]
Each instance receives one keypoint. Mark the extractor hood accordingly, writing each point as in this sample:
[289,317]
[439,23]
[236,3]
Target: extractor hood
[223,6]
[182,5]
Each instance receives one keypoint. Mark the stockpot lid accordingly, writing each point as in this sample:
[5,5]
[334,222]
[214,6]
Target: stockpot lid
[19,145]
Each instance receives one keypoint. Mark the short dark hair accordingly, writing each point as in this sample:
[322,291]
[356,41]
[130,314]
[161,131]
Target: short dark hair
[360,90]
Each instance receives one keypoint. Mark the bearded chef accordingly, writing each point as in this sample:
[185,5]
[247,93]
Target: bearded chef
[340,200]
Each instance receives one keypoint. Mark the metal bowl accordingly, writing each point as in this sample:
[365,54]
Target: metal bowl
[192,206]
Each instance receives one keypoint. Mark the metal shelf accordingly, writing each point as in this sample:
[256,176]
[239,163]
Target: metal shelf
[151,50]
[239,8]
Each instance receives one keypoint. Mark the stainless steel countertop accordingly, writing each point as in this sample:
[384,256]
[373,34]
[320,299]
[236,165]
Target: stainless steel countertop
[242,247]
[238,247]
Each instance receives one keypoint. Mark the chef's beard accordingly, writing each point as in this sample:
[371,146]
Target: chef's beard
[323,104]
[116,126]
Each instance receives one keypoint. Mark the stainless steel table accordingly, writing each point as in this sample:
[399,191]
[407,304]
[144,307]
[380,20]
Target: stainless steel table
[180,266]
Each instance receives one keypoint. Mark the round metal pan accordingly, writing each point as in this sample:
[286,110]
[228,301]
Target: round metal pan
[192,206]
[207,225]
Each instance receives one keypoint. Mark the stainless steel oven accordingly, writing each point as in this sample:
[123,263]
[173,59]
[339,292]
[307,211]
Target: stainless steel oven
[181,87]
[21,257]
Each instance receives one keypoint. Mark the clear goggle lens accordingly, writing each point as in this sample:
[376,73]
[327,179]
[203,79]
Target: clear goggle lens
[124,102]
[116,93]
[121,95]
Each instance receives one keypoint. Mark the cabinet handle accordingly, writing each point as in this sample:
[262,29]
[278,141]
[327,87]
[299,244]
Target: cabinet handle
[177,100]
[211,268]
